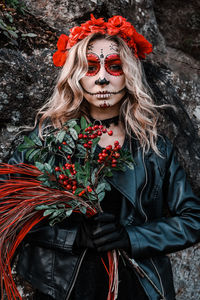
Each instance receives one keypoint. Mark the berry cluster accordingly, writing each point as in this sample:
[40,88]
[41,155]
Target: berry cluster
[69,183]
[109,155]
[92,133]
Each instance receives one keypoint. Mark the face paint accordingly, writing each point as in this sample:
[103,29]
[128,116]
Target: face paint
[93,64]
[113,65]
[104,105]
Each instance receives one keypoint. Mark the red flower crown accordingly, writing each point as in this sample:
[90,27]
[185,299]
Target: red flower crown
[116,25]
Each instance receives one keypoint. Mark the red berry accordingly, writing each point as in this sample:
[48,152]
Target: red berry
[80,136]
[104,154]
[64,143]
[69,187]
[113,165]
[62,176]
[85,145]
[59,147]
[74,187]
[85,136]
[90,143]
[57,169]
[116,143]
[69,157]
[114,161]
[117,155]
[109,147]
[110,132]
[99,133]
[104,130]
[104,151]
[100,126]
[74,182]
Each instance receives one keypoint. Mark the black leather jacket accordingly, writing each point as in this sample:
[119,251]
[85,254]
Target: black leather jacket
[156,185]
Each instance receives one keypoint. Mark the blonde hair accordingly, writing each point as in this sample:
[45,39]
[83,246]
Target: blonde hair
[138,110]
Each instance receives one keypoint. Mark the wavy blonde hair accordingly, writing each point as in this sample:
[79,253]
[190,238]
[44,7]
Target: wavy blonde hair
[138,110]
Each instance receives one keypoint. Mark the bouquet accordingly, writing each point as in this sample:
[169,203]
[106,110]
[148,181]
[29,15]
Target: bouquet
[65,175]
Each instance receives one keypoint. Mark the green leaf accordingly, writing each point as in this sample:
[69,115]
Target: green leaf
[48,212]
[83,209]
[100,187]
[68,212]
[48,168]
[70,141]
[109,174]
[129,165]
[28,141]
[83,123]
[35,139]
[73,133]
[41,207]
[42,177]
[66,149]
[29,152]
[33,154]
[51,161]
[72,123]
[56,213]
[108,186]
[93,177]
[81,149]
[40,166]
[87,168]
[92,197]
[77,128]
[101,196]
[60,136]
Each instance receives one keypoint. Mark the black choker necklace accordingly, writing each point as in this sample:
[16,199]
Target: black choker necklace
[105,122]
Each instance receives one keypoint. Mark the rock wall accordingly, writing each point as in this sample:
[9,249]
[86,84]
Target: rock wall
[27,79]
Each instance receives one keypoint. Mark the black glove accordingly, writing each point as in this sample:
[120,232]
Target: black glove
[109,234]
[84,234]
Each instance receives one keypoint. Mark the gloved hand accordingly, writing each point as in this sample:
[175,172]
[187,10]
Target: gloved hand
[109,234]
[84,235]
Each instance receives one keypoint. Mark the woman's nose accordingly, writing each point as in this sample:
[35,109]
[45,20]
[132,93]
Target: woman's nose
[102,77]
[102,81]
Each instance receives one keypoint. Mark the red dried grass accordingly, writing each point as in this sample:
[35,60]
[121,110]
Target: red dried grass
[19,197]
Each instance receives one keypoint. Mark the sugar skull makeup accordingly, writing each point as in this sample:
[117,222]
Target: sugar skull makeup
[112,64]
[104,83]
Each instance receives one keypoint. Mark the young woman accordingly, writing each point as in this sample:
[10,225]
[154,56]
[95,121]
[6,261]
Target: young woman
[102,79]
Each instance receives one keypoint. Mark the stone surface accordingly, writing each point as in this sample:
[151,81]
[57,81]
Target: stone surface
[27,79]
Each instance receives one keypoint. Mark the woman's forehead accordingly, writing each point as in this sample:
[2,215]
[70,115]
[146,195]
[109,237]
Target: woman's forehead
[102,46]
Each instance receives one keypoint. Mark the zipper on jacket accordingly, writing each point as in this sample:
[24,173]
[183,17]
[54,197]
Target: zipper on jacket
[162,294]
[140,198]
[158,277]
[76,273]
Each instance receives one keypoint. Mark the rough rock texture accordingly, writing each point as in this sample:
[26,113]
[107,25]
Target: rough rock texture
[27,79]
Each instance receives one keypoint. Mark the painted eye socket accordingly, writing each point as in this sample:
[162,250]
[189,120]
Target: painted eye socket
[113,65]
[93,64]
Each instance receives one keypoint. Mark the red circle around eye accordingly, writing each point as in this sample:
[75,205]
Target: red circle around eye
[113,65]
[93,64]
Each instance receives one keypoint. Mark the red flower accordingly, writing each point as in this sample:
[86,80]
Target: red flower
[143,46]
[116,21]
[117,25]
[94,25]
[62,42]
[59,58]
